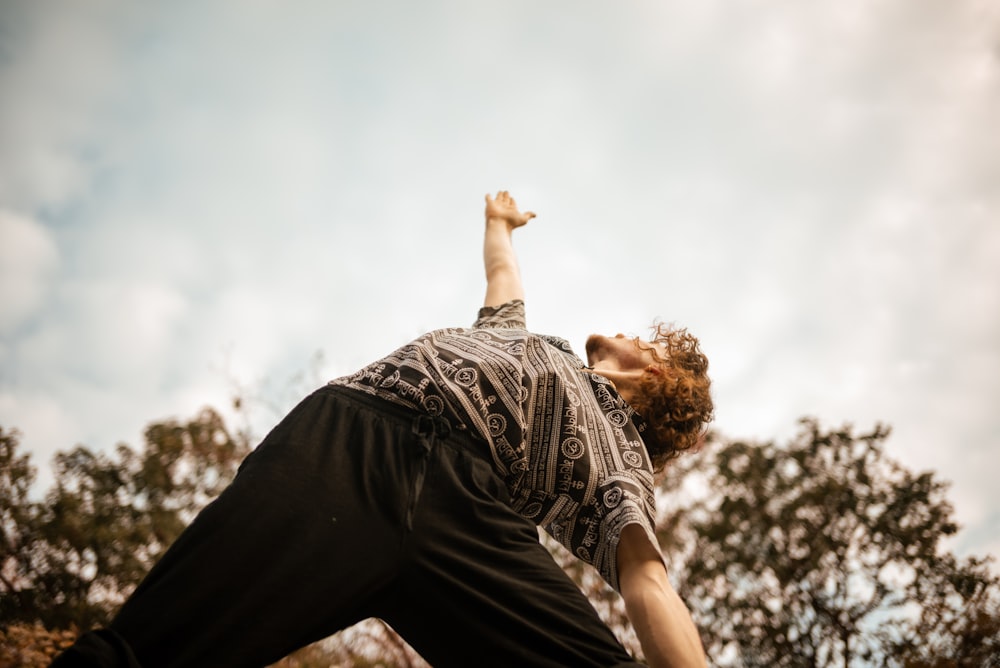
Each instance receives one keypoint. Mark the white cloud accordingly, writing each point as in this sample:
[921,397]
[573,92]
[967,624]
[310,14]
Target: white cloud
[231,187]
[28,260]
[53,85]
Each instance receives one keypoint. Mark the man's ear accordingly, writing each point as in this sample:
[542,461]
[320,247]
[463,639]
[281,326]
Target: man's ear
[653,370]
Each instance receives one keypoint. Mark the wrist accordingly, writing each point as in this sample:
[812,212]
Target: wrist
[498,222]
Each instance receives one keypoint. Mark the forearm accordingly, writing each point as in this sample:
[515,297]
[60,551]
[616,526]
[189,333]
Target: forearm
[663,624]
[661,621]
[503,277]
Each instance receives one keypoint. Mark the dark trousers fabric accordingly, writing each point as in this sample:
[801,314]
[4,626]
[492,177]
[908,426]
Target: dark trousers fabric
[352,508]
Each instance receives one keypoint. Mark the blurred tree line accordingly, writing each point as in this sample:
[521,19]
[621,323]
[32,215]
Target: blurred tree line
[821,551]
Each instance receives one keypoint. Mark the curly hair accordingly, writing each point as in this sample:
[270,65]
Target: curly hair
[674,396]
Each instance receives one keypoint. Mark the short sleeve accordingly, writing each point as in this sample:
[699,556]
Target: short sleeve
[593,534]
[506,316]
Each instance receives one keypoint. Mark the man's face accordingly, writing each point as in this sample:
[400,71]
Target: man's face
[622,353]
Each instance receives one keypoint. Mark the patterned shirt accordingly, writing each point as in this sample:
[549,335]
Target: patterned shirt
[566,444]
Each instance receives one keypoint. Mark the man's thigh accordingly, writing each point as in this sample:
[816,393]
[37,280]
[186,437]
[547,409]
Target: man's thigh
[291,552]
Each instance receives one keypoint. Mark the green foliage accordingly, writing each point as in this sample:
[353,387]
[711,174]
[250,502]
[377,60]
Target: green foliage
[32,645]
[822,552]
[819,552]
[73,557]
[17,522]
[960,620]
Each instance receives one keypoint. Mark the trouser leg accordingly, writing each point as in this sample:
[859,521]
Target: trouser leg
[291,551]
[479,589]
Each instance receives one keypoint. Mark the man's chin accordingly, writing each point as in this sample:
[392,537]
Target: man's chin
[593,344]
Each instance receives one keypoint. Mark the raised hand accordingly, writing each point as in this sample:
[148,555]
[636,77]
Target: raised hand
[503,207]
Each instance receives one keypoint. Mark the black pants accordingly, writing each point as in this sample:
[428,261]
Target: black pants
[349,509]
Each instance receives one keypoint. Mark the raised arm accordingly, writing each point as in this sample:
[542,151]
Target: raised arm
[661,621]
[503,277]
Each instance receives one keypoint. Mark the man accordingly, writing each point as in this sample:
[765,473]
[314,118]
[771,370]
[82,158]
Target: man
[411,491]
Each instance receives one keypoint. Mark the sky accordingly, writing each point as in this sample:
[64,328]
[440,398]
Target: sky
[222,197]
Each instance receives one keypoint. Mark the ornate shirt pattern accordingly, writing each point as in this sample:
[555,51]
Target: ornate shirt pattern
[565,443]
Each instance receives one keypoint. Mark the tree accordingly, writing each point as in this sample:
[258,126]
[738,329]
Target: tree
[959,623]
[17,525]
[819,552]
[824,552]
[72,558]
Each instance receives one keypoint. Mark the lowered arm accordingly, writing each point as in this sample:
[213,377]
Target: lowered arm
[661,621]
